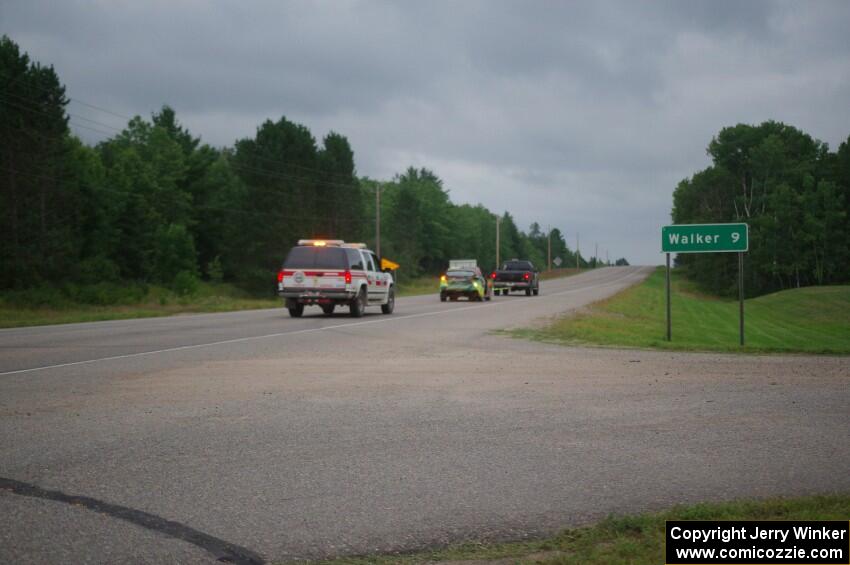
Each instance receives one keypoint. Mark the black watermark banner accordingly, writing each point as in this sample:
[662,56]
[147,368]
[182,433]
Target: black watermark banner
[745,542]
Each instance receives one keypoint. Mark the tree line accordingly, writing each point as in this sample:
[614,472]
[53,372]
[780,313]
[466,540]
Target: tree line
[154,205]
[792,191]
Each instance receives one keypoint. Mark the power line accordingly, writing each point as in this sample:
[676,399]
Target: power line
[232,162]
[295,192]
[290,191]
[235,164]
[92,106]
[26,99]
[81,102]
[118,115]
[22,107]
[191,204]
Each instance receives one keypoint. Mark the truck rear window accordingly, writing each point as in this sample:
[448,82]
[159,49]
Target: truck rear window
[316,258]
[518,266]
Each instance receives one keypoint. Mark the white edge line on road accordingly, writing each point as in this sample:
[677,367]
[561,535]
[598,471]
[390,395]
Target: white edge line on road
[306,331]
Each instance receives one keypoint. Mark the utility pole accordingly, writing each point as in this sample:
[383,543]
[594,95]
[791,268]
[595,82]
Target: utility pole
[498,219]
[378,220]
[578,253]
[607,261]
[596,256]
[549,253]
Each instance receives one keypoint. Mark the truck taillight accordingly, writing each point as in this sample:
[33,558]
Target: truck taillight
[493,275]
[348,278]
[526,276]
[280,276]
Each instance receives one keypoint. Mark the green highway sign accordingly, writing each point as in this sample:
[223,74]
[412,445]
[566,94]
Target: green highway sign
[705,238]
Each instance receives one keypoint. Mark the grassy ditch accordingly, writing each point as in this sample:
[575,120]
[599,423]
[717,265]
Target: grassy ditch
[804,320]
[43,306]
[631,539]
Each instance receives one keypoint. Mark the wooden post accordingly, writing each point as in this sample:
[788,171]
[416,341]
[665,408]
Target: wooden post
[497,242]
[669,324]
[378,220]
[578,254]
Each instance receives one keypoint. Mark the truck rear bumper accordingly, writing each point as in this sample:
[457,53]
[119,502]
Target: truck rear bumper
[316,296]
[511,285]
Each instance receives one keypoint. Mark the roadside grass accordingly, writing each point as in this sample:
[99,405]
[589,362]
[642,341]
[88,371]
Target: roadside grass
[625,539]
[559,273]
[48,306]
[417,286]
[804,320]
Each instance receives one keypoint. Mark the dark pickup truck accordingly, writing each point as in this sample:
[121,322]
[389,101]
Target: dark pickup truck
[516,275]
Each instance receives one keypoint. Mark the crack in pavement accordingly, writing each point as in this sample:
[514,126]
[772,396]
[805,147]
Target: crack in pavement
[223,551]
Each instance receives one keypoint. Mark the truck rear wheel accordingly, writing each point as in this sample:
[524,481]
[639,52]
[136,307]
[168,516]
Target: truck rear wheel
[536,291]
[296,311]
[328,309]
[358,305]
[390,305]
[528,291]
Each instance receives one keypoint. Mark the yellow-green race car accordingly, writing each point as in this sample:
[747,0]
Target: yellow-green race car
[465,282]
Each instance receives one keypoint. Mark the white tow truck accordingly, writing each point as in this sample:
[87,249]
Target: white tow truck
[330,273]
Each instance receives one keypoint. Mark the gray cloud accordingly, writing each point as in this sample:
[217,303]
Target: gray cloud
[579,115]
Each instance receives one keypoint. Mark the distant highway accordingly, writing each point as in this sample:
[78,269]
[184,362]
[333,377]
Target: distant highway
[254,437]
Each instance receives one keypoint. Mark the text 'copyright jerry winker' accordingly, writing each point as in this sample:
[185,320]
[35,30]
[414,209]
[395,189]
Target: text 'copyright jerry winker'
[757,542]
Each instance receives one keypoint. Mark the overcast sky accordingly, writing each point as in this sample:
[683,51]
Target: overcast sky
[582,116]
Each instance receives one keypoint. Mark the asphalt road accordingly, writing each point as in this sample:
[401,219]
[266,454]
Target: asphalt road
[254,437]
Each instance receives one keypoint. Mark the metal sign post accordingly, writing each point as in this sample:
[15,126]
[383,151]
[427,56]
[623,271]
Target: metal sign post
[707,238]
[741,294]
[669,324]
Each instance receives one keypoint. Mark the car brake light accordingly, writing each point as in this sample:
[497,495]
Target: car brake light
[347,277]
[280,276]
[525,276]
[493,275]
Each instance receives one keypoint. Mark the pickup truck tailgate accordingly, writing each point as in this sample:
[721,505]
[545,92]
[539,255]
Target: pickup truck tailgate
[510,276]
[314,280]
